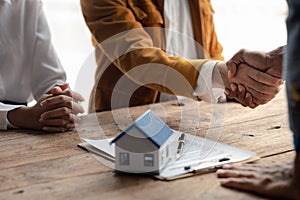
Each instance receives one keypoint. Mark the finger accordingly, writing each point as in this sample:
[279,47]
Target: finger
[233,87]
[261,96]
[56,113]
[227,91]
[245,76]
[62,101]
[58,89]
[242,94]
[44,96]
[55,128]
[248,184]
[232,68]
[57,122]
[74,95]
[260,87]
[63,90]
[68,126]
[265,78]
[77,108]
[71,118]
[221,173]
[65,121]
[230,94]
[256,166]
[64,86]
[249,100]
[242,167]
[260,101]
[244,100]
[229,166]
[51,129]
[52,100]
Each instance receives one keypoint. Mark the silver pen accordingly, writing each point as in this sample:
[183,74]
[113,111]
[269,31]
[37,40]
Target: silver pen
[181,141]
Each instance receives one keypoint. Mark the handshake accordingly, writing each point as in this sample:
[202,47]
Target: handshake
[253,78]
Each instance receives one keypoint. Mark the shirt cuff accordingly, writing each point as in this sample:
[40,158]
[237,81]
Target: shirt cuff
[4,122]
[204,88]
[8,124]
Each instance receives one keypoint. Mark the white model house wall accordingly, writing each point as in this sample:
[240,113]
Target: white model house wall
[131,162]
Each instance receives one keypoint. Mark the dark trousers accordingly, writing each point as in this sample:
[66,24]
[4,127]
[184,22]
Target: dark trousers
[292,68]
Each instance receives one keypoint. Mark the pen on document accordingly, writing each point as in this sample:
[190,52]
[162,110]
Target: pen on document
[214,160]
[181,141]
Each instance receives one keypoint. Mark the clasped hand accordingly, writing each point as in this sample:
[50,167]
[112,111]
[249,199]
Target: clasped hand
[60,108]
[254,77]
[56,111]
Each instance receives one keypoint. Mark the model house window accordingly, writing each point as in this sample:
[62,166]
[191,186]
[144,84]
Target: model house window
[124,158]
[148,160]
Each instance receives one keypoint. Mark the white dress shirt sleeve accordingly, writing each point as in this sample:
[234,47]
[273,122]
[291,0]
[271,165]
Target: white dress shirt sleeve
[29,63]
[47,69]
[4,108]
[206,89]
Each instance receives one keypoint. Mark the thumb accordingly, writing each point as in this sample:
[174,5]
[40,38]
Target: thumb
[59,88]
[231,66]
[235,61]
[63,86]
[255,59]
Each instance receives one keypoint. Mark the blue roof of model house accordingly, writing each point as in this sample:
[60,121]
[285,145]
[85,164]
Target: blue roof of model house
[152,127]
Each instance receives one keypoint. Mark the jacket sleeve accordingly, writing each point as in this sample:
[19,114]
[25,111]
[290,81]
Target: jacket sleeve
[115,27]
[211,44]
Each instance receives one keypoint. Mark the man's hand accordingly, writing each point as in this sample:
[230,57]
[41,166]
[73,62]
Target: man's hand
[62,107]
[246,78]
[278,181]
[63,90]
[270,63]
[55,112]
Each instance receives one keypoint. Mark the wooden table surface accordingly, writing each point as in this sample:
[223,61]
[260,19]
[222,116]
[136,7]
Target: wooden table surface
[35,165]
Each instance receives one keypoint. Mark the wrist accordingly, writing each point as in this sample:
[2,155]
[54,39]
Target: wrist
[20,117]
[14,116]
[9,124]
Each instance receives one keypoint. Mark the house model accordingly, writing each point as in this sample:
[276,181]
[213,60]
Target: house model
[144,146]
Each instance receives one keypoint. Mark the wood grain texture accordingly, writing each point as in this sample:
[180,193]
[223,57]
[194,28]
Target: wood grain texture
[35,165]
[110,186]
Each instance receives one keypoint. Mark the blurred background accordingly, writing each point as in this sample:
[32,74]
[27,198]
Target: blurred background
[251,24]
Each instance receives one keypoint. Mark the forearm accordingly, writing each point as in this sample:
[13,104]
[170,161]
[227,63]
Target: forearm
[135,50]
[158,71]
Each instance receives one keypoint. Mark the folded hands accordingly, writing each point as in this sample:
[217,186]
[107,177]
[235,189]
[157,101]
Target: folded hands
[56,111]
